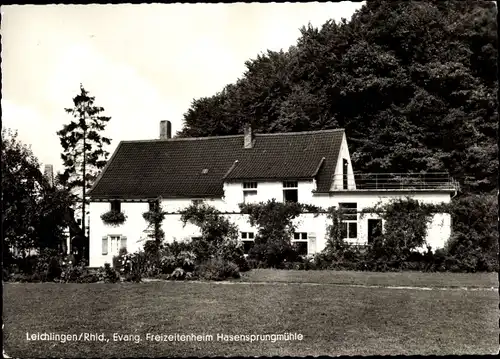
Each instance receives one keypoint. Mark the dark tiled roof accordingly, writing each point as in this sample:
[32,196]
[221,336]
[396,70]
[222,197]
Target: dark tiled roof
[197,167]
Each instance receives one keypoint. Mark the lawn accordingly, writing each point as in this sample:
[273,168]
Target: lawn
[402,279]
[334,320]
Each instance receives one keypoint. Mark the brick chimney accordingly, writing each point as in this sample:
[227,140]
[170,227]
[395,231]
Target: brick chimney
[48,173]
[248,136]
[165,130]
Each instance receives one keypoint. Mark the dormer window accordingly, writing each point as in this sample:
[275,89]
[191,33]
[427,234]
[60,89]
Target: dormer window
[116,206]
[290,191]
[249,192]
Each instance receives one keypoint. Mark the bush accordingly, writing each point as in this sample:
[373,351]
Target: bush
[108,274]
[274,220]
[217,269]
[133,277]
[78,273]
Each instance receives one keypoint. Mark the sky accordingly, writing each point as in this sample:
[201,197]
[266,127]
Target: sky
[142,63]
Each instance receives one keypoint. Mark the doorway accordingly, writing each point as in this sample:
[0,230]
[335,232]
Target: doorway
[374,229]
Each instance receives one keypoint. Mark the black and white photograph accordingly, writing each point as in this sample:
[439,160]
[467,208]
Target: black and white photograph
[250,179]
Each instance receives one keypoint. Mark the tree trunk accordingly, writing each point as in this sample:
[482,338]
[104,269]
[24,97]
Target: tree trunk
[84,181]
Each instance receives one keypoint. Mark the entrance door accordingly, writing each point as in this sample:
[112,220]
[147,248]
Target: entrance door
[374,229]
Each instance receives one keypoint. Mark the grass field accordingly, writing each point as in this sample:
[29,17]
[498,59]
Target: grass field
[334,320]
[403,279]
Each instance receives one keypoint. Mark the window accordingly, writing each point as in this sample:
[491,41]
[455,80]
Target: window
[116,206]
[349,220]
[248,240]
[111,244]
[249,192]
[290,191]
[153,205]
[249,185]
[300,242]
[344,173]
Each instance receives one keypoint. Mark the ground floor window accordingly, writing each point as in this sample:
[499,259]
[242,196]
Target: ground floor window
[349,220]
[248,240]
[300,242]
[112,244]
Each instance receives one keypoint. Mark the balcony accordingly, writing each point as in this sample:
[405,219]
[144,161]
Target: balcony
[436,181]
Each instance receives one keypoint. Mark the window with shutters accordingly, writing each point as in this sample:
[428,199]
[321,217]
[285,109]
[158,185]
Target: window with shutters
[112,244]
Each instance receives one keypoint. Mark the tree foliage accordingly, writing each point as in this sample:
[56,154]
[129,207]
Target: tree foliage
[155,217]
[413,84]
[84,153]
[219,236]
[274,221]
[34,213]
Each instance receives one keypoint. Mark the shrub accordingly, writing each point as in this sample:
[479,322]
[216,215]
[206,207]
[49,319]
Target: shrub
[219,236]
[77,273]
[274,221]
[113,218]
[133,277]
[217,269]
[108,274]
[5,274]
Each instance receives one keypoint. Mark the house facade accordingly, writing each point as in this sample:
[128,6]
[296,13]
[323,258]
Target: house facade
[307,167]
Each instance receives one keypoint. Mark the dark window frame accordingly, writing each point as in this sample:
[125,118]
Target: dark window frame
[116,205]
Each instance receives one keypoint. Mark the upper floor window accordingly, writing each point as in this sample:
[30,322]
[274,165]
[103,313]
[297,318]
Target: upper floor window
[249,192]
[290,191]
[116,206]
[345,166]
[153,206]
[249,185]
[349,220]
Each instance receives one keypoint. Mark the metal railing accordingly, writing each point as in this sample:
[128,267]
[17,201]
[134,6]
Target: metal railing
[395,181]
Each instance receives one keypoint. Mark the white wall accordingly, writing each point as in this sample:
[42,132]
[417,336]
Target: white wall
[266,190]
[133,228]
[337,182]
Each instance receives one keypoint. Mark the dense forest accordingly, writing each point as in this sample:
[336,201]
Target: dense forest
[413,84]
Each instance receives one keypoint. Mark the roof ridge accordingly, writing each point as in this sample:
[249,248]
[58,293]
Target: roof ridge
[235,136]
[300,132]
[184,139]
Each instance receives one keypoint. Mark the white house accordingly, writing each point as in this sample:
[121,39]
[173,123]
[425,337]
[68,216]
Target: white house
[309,167]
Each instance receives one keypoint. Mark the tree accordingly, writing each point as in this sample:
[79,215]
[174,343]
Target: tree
[34,213]
[83,146]
[412,83]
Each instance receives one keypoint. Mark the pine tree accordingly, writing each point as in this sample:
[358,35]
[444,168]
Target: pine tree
[83,146]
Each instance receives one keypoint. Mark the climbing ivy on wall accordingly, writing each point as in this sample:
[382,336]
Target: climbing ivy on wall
[155,217]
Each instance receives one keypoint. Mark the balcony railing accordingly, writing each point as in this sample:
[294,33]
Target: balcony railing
[396,181]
